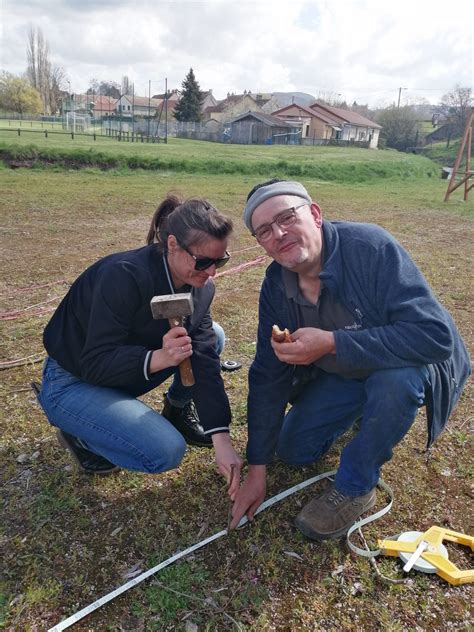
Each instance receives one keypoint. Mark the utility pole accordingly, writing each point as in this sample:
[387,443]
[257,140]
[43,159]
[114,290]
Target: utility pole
[149,99]
[399,95]
[133,112]
[166,110]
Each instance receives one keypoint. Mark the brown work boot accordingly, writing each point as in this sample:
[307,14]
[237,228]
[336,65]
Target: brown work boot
[331,514]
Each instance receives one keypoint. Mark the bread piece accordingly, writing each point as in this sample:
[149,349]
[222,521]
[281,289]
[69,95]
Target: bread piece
[280,336]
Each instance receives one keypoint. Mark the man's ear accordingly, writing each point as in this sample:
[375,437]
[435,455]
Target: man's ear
[317,214]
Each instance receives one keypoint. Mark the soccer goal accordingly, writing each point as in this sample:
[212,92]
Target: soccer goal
[77,122]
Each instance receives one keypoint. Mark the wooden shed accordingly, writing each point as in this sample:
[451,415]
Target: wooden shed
[258,128]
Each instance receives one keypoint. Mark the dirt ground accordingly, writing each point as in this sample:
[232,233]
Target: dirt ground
[67,539]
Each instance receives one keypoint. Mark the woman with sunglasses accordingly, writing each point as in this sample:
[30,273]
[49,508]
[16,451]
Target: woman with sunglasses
[105,349]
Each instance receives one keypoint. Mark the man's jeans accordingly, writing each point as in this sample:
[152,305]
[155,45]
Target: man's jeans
[113,423]
[385,403]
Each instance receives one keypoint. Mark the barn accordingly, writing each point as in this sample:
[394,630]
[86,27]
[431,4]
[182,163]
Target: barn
[258,128]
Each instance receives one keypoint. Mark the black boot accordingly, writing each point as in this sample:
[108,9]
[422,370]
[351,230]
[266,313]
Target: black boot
[186,421]
[86,460]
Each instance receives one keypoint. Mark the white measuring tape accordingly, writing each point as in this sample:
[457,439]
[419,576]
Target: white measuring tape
[265,505]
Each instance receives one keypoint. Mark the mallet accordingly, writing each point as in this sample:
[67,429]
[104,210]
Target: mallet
[175,307]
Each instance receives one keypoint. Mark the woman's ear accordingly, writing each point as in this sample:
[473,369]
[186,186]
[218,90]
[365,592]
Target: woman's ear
[172,243]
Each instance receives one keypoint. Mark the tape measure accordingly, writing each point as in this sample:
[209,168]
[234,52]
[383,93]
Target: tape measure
[230,365]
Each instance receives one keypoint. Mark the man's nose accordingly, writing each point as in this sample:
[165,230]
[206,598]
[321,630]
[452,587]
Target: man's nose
[278,231]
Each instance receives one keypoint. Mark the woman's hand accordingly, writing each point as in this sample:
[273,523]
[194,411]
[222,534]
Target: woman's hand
[228,461]
[176,347]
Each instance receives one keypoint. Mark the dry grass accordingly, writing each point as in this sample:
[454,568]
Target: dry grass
[67,539]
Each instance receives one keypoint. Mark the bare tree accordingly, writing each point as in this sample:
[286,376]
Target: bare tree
[330,98]
[58,79]
[93,86]
[38,68]
[363,109]
[127,86]
[46,79]
[455,107]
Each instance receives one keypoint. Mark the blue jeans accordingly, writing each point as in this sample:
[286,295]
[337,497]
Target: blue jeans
[386,404]
[114,424]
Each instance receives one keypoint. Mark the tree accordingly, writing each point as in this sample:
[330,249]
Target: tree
[43,76]
[333,99]
[399,127]
[58,79]
[455,107]
[363,109]
[104,88]
[188,107]
[17,95]
[109,89]
[127,86]
[93,86]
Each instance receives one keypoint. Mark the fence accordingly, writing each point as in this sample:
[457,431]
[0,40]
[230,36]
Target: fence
[150,130]
[14,116]
[336,142]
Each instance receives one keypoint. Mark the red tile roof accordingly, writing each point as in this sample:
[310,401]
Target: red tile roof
[311,112]
[346,115]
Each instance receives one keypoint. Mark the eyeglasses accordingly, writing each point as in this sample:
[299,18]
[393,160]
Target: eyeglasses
[284,219]
[202,263]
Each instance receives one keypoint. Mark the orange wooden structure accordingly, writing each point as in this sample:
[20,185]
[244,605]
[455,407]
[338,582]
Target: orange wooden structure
[466,142]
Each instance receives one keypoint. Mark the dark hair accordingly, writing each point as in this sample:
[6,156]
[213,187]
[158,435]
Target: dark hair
[190,221]
[263,184]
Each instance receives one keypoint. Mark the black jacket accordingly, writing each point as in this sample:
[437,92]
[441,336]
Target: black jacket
[103,330]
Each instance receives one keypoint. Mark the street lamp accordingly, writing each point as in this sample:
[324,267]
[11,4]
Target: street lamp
[150,81]
[71,106]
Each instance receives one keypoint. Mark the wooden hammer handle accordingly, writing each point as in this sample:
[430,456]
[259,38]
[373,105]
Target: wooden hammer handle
[185,368]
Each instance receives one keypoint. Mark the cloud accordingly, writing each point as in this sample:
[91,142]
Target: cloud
[363,49]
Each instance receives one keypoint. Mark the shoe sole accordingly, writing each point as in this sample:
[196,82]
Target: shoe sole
[335,535]
[66,445]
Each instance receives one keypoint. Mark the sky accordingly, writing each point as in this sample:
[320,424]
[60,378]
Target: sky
[369,51]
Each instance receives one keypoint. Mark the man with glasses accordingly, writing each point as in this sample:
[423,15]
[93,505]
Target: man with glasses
[369,343]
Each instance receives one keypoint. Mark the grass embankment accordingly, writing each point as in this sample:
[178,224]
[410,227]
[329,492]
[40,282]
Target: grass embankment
[446,156]
[331,164]
[67,539]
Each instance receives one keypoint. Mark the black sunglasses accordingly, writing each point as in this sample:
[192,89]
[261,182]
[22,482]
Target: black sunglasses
[202,263]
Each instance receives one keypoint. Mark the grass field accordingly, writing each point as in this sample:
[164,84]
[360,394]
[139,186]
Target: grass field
[67,539]
[341,164]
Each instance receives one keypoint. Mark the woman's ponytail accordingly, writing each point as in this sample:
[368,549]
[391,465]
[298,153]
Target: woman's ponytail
[165,208]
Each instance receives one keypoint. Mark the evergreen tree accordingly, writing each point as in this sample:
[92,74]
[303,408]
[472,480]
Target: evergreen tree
[188,107]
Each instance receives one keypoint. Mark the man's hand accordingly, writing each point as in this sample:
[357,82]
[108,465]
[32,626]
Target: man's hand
[227,460]
[251,495]
[307,345]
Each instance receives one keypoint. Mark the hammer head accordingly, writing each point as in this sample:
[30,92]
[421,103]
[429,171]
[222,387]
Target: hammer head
[171,306]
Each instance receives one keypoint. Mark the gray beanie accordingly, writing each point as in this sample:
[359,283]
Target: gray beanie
[286,187]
